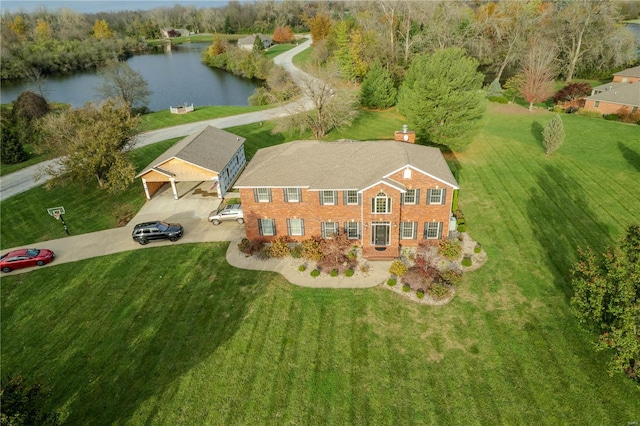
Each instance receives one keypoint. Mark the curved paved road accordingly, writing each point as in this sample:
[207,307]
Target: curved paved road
[27,178]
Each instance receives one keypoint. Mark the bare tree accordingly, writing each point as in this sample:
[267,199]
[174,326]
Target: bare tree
[587,29]
[330,108]
[501,30]
[124,84]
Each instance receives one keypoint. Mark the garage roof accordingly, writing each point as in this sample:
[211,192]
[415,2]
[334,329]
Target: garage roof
[210,148]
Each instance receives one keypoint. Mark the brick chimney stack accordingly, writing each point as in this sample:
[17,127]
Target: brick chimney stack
[405,135]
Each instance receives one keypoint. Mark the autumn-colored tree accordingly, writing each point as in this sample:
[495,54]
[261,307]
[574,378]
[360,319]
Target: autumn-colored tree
[319,26]
[42,30]
[101,30]
[283,35]
[572,91]
[18,27]
[538,71]
[218,46]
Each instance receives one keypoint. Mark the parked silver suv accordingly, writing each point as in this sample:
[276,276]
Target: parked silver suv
[229,212]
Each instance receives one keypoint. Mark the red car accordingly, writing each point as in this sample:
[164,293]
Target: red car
[25,258]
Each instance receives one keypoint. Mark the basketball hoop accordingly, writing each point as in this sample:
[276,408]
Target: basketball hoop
[56,212]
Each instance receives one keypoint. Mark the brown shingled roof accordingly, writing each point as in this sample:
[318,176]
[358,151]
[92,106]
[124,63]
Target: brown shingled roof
[210,148]
[621,93]
[629,72]
[339,165]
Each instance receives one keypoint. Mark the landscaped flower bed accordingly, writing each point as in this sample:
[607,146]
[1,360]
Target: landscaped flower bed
[429,273]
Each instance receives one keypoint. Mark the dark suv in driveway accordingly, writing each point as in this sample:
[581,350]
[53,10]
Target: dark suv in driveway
[157,230]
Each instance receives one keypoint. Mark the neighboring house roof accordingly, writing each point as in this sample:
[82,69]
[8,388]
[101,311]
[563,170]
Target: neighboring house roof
[608,86]
[629,72]
[250,39]
[210,148]
[623,94]
[321,165]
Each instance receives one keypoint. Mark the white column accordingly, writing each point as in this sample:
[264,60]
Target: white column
[173,187]
[146,190]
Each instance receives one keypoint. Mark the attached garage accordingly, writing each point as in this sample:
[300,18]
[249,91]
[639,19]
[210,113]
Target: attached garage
[211,155]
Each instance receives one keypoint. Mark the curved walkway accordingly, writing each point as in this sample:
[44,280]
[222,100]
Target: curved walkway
[27,178]
[378,271]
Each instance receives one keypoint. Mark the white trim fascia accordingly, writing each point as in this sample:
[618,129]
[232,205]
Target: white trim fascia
[402,190]
[424,173]
[270,186]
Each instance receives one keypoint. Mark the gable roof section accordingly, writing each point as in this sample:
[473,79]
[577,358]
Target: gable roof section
[210,148]
[629,72]
[340,165]
[621,93]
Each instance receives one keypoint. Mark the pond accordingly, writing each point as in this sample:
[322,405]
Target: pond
[175,76]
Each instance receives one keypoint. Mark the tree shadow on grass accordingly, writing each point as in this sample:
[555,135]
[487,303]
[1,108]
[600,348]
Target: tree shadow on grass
[562,221]
[149,335]
[630,155]
[537,130]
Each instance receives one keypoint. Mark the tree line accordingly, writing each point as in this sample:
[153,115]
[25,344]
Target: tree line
[586,36]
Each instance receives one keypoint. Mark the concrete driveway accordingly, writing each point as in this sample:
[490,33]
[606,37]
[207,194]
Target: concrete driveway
[191,210]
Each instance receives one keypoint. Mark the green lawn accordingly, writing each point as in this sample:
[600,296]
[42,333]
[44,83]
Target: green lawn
[25,219]
[173,334]
[34,158]
[161,119]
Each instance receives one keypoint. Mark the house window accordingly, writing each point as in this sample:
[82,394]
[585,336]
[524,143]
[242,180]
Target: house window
[352,230]
[634,110]
[596,104]
[328,198]
[351,197]
[295,227]
[329,229]
[432,230]
[262,195]
[409,230]
[381,203]
[267,227]
[436,196]
[411,196]
[292,195]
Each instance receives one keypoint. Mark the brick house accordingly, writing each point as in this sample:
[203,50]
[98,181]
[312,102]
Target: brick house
[381,194]
[623,93]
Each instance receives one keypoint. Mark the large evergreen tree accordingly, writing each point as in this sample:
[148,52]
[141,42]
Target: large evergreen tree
[607,300]
[441,97]
[377,90]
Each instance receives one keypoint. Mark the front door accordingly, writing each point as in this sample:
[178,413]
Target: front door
[380,234]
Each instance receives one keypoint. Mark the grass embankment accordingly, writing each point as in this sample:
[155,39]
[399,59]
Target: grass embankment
[134,337]
[161,119]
